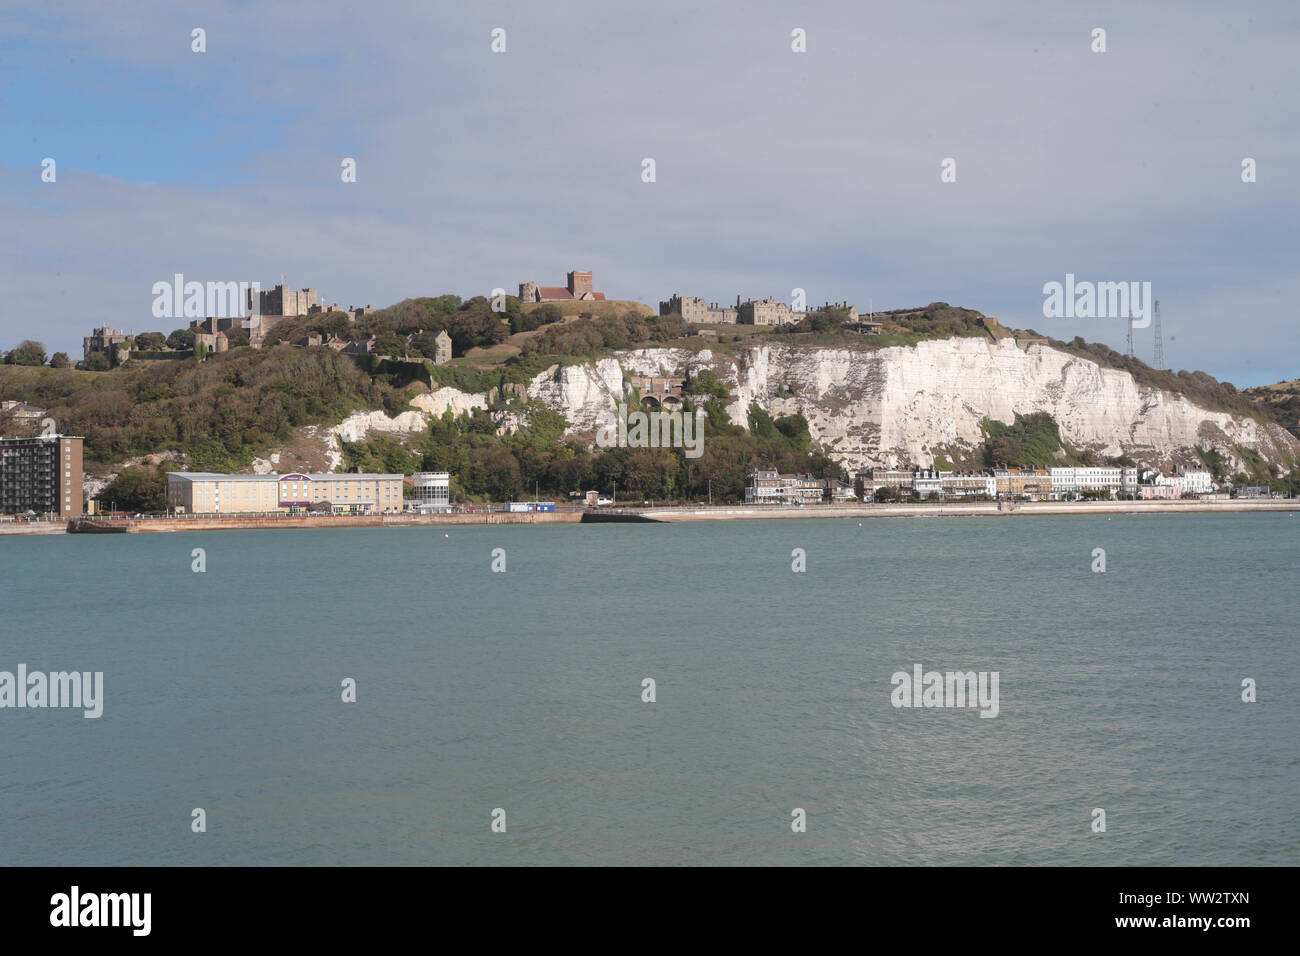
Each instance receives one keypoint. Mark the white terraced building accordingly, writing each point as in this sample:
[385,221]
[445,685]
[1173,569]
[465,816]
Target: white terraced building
[1189,482]
[1111,479]
[199,492]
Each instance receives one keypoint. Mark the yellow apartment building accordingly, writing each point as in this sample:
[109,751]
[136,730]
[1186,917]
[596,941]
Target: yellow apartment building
[197,492]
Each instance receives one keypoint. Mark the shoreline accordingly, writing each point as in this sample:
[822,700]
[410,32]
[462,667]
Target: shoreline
[652,515]
[972,509]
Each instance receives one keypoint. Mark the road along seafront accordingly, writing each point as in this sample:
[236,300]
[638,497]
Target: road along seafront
[162,523]
[934,509]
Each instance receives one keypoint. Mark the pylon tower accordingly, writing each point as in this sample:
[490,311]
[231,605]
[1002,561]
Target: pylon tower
[1160,345]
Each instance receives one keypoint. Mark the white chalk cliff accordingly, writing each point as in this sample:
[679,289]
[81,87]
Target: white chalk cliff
[903,405]
[887,406]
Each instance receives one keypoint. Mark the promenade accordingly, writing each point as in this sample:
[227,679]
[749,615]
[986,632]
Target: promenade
[929,509]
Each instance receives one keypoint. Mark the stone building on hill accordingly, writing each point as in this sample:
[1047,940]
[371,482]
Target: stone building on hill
[694,309]
[578,289]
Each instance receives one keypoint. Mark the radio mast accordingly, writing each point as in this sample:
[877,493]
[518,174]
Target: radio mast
[1160,346]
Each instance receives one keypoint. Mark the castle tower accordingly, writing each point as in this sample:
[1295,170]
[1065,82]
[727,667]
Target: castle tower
[528,292]
[579,283]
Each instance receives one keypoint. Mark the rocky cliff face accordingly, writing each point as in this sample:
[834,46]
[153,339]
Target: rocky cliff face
[892,406]
[903,405]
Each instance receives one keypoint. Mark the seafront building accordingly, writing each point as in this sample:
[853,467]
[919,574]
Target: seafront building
[1111,479]
[1034,484]
[768,487]
[868,482]
[1167,492]
[967,484]
[1188,482]
[431,492]
[41,475]
[198,492]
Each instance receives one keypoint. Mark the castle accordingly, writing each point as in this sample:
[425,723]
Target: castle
[694,309]
[577,290]
[750,312]
[102,339]
[282,301]
[270,306]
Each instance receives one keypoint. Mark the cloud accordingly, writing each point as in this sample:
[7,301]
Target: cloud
[775,170]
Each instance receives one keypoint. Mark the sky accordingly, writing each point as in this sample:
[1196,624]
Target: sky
[774,169]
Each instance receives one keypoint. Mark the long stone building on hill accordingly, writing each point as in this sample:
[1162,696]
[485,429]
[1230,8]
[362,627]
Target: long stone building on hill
[578,289]
[694,309]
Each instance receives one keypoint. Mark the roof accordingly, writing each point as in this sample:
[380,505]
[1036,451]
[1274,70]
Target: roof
[554,292]
[21,408]
[39,439]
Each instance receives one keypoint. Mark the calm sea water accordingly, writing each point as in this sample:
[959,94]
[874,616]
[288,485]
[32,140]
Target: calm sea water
[522,691]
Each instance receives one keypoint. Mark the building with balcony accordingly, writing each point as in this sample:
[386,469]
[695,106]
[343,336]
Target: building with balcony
[41,475]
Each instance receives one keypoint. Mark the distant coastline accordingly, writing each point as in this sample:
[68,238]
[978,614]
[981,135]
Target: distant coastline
[166,524]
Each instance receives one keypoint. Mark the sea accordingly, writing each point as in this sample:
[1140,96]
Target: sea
[695,693]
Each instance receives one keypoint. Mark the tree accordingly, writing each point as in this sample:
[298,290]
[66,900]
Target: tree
[59,360]
[27,353]
[475,326]
[181,339]
[137,489]
[98,362]
[1005,451]
[149,341]
[426,343]
[387,343]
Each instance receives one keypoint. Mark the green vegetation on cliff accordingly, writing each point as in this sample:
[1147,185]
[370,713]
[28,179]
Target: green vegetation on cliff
[221,412]
[536,457]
